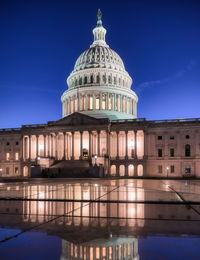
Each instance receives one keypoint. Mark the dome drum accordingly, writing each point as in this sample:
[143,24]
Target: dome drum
[115,105]
[99,76]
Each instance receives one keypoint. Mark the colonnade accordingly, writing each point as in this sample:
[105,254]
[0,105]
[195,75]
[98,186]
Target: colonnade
[79,144]
[118,248]
[100,101]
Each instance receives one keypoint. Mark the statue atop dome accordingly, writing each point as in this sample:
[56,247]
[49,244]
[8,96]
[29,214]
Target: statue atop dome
[99,16]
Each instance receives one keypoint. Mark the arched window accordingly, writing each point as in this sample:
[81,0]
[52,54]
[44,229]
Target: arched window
[113,170]
[115,80]
[76,82]
[104,79]
[98,79]
[80,81]
[85,80]
[91,79]
[130,170]
[187,150]
[109,80]
[121,170]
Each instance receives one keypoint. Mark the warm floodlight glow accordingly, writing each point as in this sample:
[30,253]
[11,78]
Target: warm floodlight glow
[131,143]
[41,147]
[38,158]
[1,170]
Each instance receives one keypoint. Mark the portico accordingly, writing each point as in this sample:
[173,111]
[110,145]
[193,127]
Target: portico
[60,141]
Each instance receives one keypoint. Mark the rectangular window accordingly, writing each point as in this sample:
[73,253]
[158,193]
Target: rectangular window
[75,105]
[159,137]
[16,170]
[116,103]
[119,103]
[172,168]
[7,170]
[103,102]
[17,156]
[171,152]
[171,137]
[91,102]
[97,103]
[187,170]
[159,152]
[7,156]
[159,168]
[110,103]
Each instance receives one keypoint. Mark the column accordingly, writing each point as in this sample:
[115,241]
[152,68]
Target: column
[72,146]
[126,134]
[63,109]
[118,103]
[37,139]
[51,145]
[117,132]
[29,147]
[100,101]
[73,99]
[21,147]
[56,146]
[98,136]
[86,102]
[90,144]
[78,101]
[48,151]
[94,102]
[108,143]
[135,144]
[81,144]
[44,145]
[64,146]
[69,104]
[107,99]
[114,105]
[121,108]
[135,170]
[126,105]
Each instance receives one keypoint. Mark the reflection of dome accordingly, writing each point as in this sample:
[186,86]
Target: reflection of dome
[99,57]
[99,85]
[115,248]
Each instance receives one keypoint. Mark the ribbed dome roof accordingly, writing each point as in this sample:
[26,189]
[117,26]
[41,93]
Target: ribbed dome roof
[99,57]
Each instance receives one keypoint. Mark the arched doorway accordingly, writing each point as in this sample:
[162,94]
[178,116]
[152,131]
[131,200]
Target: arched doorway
[121,170]
[25,171]
[113,170]
[130,170]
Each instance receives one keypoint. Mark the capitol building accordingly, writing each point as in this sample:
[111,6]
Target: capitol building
[99,134]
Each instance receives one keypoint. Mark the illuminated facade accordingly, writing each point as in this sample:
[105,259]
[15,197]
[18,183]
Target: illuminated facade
[100,133]
[99,85]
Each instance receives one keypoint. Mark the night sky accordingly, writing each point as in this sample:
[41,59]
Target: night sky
[159,42]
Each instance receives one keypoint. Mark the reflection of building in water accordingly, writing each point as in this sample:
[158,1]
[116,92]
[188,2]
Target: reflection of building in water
[115,248]
[80,201]
[100,127]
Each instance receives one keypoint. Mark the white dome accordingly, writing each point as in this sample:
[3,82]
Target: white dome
[99,57]
[99,85]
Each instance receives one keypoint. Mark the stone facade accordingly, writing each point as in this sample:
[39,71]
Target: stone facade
[99,131]
[134,148]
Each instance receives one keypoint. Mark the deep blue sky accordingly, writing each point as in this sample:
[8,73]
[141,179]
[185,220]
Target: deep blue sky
[159,42]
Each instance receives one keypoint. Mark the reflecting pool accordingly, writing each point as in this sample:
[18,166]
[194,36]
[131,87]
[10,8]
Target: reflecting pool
[100,219]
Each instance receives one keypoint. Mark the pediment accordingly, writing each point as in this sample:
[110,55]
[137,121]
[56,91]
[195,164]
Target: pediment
[76,119]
